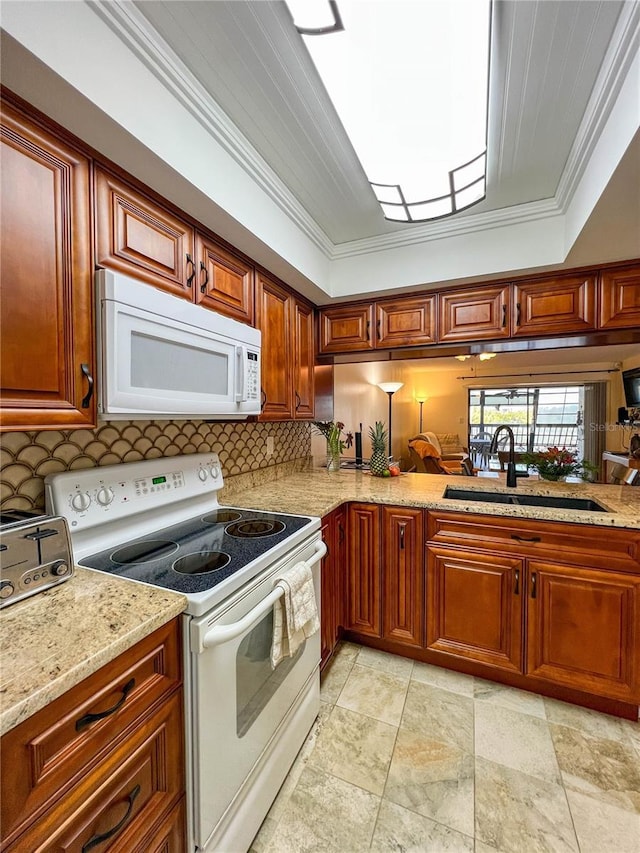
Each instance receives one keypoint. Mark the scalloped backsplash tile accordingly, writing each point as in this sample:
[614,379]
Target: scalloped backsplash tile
[27,457]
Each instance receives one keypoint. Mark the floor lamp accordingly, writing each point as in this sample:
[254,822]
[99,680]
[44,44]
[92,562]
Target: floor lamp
[421,401]
[390,388]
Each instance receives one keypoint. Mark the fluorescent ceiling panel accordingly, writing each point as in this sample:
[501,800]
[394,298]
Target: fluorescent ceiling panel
[409,80]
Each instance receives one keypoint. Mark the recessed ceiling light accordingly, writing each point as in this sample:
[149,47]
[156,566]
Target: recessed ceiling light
[409,81]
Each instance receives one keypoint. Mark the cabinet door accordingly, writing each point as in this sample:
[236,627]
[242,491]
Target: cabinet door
[474,315]
[224,282]
[46,305]
[474,608]
[141,238]
[273,306]
[406,322]
[554,306]
[363,543]
[346,328]
[620,299]
[402,575]
[327,592]
[303,360]
[584,629]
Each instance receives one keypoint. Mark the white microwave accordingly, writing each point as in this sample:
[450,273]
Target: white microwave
[162,357]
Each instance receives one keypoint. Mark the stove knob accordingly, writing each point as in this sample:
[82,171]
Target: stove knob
[215,471]
[202,474]
[59,568]
[6,589]
[104,496]
[81,501]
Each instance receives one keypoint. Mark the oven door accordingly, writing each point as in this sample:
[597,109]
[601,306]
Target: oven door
[242,708]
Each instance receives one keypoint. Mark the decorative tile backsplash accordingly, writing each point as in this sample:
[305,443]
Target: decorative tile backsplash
[27,457]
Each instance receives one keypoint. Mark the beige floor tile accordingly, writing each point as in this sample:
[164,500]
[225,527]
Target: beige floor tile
[446,679]
[432,778]
[334,677]
[597,765]
[398,829]
[355,748]
[602,827]
[325,815]
[509,697]
[518,741]
[585,720]
[345,650]
[517,813]
[374,693]
[393,664]
[439,715]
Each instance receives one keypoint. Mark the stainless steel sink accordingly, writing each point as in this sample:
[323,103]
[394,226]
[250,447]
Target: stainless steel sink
[523,500]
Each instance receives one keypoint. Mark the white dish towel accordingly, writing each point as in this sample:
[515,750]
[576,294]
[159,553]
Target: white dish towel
[295,613]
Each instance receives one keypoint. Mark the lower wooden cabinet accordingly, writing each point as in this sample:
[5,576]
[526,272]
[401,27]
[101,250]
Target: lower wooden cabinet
[386,573]
[474,607]
[583,629]
[333,576]
[102,767]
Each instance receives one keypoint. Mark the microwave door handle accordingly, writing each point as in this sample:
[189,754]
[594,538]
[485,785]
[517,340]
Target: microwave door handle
[241,359]
[224,633]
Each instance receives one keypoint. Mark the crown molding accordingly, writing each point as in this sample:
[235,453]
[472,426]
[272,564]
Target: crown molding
[620,55]
[515,215]
[149,47]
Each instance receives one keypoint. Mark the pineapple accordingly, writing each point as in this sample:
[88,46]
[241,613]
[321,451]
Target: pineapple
[379,462]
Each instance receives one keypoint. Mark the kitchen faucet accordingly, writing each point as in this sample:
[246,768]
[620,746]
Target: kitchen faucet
[512,474]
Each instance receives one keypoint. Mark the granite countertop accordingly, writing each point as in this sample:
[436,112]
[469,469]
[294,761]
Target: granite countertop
[52,641]
[318,492]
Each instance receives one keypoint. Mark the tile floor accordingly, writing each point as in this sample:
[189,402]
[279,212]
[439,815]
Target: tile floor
[411,758]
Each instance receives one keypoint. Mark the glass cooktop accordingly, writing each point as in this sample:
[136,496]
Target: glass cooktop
[200,553]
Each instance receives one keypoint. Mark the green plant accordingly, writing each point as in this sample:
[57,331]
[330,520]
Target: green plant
[332,431]
[555,463]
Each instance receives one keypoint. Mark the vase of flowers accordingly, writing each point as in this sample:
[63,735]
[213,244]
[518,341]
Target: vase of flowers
[332,431]
[558,463]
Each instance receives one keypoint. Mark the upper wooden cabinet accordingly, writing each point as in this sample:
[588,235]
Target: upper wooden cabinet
[346,328]
[288,352]
[142,238]
[46,357]
[620,299]
[223,281]
[406,322]
[481,313]
[554,306]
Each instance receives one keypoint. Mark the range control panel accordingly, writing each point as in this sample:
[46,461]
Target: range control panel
[96,495]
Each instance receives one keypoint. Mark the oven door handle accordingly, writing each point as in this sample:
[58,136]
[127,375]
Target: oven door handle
[224,633]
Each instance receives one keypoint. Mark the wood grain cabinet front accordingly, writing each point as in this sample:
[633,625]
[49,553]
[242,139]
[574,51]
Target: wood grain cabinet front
[406,322]
[224,282]
[620,298]
[333,579]
[46,307]
[288,352]
[556,306]
[346,328]
[403,548]
[109,753]
[363,570]
[479,314]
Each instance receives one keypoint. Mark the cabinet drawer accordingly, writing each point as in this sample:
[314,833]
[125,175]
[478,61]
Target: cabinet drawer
[54,749]
[603,547]
[121,803]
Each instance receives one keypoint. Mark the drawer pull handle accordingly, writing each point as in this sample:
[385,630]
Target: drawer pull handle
[203,286]
[402,527]
[98,839]
[504,316]
[92,718]
[534,586]
[84,369]
[516,589]
[191,277]
[525,539]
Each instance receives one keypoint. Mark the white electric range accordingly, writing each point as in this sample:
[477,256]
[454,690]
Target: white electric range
[159,522]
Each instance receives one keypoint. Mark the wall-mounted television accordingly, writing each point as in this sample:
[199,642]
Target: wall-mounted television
[631,382]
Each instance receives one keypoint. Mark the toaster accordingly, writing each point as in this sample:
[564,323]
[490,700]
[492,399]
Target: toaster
[35,554]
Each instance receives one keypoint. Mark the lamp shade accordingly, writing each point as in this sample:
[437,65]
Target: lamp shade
[390,387]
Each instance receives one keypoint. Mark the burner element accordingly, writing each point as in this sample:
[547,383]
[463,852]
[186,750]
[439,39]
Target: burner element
[144,552]
[201,563]
[221,516]
[254,527]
